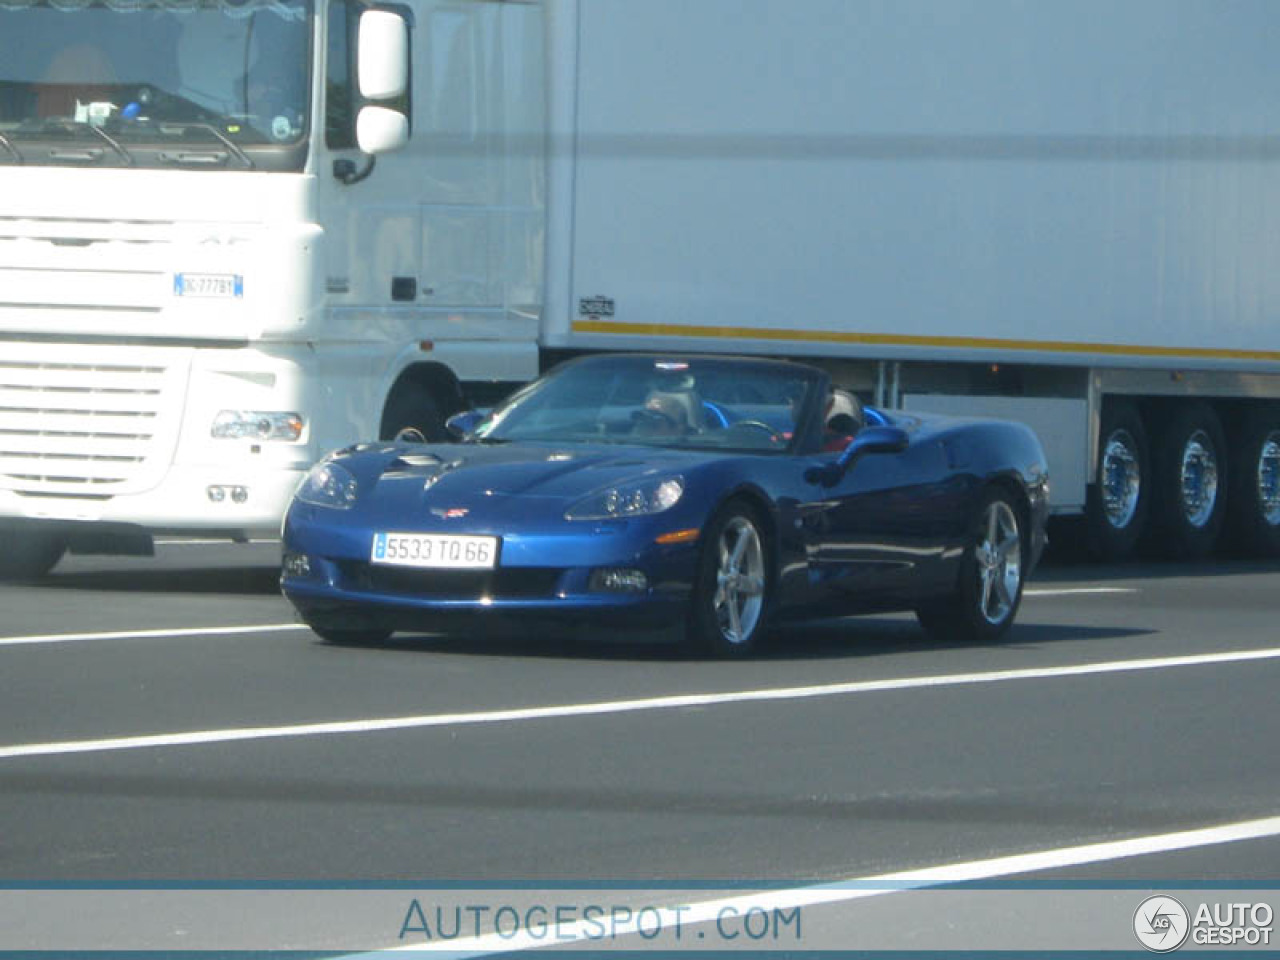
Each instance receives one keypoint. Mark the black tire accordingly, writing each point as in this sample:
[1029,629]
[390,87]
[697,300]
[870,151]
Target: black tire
[992,571]
[1253,503]
[730,602]
[1189,483]
[1118,501]
[29,553]
[412,406]
[351,637]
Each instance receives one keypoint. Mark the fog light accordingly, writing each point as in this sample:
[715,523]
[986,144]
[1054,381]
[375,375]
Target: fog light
[618,580]
[296,565]
[217,494]
[239,494]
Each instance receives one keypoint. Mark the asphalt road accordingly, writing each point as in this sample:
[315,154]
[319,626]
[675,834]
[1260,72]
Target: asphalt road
[848,749]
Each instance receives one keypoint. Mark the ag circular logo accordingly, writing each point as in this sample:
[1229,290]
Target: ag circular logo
[1161,924]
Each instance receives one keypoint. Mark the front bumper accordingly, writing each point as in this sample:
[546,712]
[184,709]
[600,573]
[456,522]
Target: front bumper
[179,503]
[343,590]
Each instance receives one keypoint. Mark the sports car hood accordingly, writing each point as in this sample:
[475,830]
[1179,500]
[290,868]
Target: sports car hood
[467,474]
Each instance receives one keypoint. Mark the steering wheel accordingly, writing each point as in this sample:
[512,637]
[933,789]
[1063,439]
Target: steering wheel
[774,435]
[646,419]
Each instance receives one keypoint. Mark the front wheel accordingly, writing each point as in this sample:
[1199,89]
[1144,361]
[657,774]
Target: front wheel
[29,554]
[731,591]
[989,589]
[412,407]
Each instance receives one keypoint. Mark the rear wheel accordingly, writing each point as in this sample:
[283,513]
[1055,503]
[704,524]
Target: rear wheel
[730,594]
[29,552]
[989,590]
[1190,473]
[1117,500]
[1253,507]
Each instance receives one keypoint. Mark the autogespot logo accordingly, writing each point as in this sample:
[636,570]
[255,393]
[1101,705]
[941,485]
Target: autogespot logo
[1161,924]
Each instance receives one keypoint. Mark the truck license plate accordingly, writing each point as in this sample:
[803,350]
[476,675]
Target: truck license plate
[216,285]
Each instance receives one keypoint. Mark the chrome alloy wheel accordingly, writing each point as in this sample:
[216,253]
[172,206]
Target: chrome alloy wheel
[999,556]
[1269,479]
[1121,479]
[739,595]
[1198,486]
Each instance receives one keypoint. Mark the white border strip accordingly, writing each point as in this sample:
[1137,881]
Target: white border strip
[626,706]
[860,888]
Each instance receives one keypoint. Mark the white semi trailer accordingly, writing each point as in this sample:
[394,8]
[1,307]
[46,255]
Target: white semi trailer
[1059,212]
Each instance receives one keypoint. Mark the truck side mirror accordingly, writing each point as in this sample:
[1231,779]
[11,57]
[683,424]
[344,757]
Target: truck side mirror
[382,76]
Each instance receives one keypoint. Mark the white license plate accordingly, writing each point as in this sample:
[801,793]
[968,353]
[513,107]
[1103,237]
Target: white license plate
[217,285]
[436,550]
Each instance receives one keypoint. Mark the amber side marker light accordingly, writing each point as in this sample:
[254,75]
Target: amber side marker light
[679,536]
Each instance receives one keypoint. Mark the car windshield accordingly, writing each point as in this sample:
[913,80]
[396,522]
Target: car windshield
[134,78]
[743,406]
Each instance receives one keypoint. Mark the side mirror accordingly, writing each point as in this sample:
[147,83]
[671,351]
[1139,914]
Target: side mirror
[461,425]
[381,130]
[382,76]
[869,440]
[383,55]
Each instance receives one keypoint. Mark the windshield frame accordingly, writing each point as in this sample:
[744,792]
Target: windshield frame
[186,134]
[498,426]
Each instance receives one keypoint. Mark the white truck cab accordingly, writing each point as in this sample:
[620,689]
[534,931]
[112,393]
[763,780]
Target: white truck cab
[235,234]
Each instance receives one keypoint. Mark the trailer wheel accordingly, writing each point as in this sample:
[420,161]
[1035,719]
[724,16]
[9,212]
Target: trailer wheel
[412,406]
[28,553]
[1190,488]
[1253,506]
[1117,502]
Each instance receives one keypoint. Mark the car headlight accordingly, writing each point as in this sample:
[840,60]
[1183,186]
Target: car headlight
[256,425]
[637,499]
[328,485]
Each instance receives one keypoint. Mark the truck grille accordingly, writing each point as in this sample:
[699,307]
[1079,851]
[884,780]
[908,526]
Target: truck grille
[91,429]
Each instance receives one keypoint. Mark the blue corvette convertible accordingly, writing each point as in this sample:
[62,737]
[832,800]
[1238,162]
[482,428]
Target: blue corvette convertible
[707,494]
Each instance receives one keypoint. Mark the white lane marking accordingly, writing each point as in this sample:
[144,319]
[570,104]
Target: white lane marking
[203,541]
[1073,591]
[378,724]
[859,888]
[149,634]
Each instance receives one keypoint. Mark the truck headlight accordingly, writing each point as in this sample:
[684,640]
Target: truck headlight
[328,485]
[638,499]
[256,425]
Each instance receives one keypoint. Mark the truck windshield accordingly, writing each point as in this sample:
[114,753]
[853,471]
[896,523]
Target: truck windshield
[155,82]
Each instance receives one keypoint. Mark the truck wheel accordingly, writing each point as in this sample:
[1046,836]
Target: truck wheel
[989,590]
[1117,500]
[29,554]
[1190,488]
[412,406]
[731,589]
[1253,506]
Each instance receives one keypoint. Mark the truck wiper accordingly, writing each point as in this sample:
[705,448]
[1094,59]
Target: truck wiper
[218,134]
[8,145]
[125,155]
[75,126]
